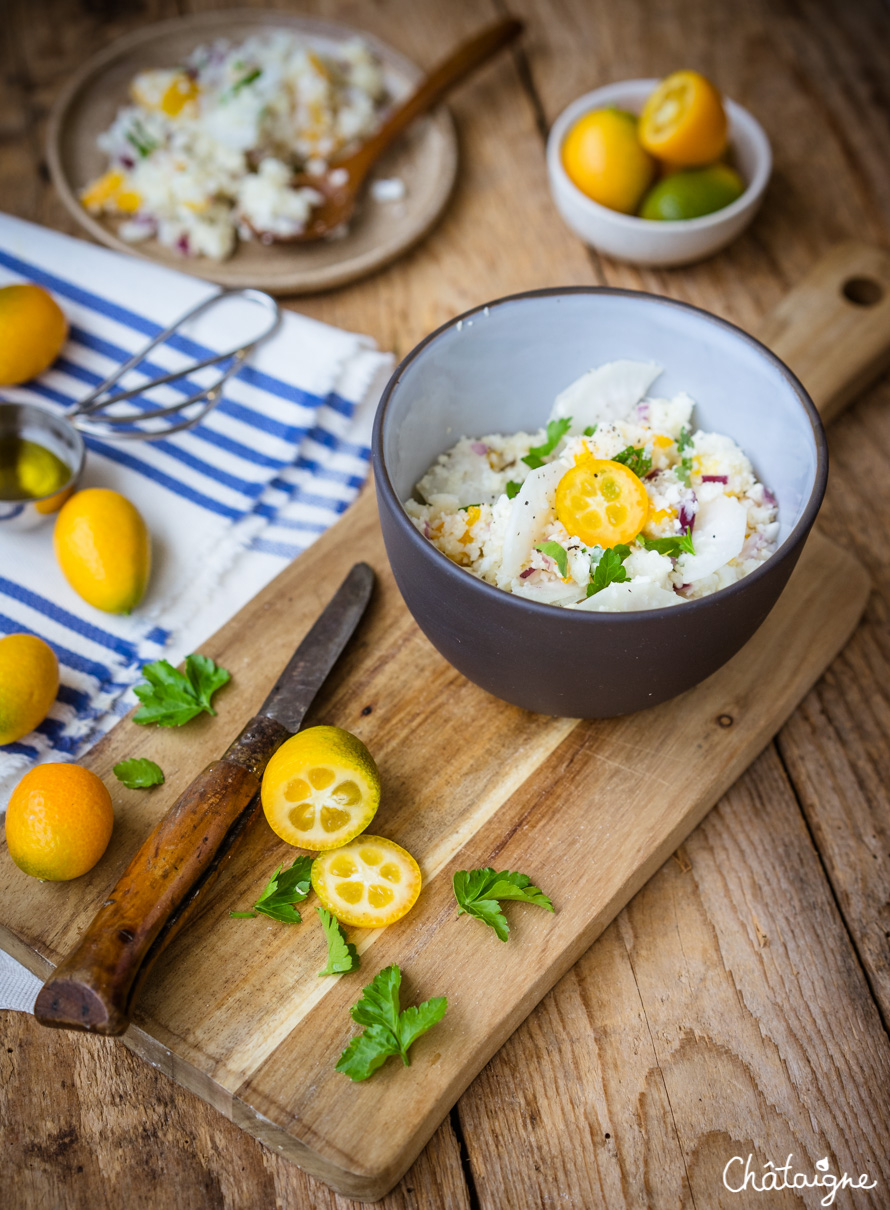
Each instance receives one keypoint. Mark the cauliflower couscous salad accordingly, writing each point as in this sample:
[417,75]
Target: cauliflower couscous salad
[207,151]
[619,504]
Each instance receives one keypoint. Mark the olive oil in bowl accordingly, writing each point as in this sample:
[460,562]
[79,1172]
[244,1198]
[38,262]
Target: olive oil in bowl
[28,470]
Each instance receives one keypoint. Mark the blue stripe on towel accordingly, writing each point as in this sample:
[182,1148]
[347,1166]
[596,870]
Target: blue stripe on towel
[239,434]
[78,662]
[56,614]
[140,323]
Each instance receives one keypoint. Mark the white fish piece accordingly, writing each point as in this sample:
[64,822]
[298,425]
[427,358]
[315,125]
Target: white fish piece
[532,507]
[551,594]
[605,394]
[630,597]
[719,536]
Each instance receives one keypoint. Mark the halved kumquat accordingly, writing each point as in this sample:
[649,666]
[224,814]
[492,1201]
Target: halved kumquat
[369,882]
[684,122]
[601,502]
[321,788]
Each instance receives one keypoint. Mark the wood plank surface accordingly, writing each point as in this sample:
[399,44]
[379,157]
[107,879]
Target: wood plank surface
[817,76]
[516,791]
[712,984]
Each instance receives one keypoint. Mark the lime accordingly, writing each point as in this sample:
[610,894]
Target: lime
[685,195]
[321,788]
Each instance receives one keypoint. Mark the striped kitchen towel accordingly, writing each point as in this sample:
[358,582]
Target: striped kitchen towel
[228,503]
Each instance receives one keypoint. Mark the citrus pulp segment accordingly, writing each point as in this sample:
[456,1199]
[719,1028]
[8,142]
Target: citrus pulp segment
[369,882]
[601,502]
[321,788]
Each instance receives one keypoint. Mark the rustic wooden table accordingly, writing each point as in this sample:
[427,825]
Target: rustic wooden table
[740,1002]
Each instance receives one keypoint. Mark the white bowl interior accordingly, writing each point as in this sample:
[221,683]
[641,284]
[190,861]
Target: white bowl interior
[500,370]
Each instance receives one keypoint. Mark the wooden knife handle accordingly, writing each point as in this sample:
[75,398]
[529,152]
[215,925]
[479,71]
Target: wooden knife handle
[94,987]
[833,328]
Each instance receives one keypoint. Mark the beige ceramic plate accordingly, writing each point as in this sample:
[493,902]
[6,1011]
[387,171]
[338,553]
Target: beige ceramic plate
[425,158]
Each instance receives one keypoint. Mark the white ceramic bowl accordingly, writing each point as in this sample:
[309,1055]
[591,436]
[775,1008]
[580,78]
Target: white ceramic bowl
[645,241]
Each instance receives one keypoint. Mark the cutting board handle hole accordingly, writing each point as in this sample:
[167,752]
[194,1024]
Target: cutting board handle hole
[863,291]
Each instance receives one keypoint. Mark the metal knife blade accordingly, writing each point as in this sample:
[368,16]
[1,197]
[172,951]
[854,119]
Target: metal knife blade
[309,666]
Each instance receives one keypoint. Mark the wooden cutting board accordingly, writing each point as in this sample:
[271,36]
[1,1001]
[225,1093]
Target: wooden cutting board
[234,1010]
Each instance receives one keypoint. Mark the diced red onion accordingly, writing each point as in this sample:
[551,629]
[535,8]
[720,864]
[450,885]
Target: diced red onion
[770,498]
[183,245]
[480,448]
[653,474]
[127,162]
[529,571]
[687,513]
[715,478]
[427,532]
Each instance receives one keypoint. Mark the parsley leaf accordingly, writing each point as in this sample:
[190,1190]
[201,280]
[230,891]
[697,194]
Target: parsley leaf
[556,430]
[464,507]
[684,470]
[138,773]
[635,458]
[171,698]
[512,489]
[610,569]
[388,1030]
[342,954]
[556,552]
[478,893]
[590,430]
[245,80]
[282,892]
[676,546]
[140,140]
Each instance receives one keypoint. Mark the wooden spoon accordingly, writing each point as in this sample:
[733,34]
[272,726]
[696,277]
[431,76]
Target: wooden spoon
[342,183]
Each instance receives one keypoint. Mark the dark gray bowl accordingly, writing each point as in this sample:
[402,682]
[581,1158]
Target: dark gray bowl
[498,369]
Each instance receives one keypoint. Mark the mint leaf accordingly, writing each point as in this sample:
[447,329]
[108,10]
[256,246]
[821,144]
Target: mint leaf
[478,893]
[388,1030]
[635,458]
[243,915]
[556,552]
[684,470]
[610,569]
[282,891]
[342,954]
[512,489]
[138,773]
[590,430]
[170,698]
[680,545]
[556,430]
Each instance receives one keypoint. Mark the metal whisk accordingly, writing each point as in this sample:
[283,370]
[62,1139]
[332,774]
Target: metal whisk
[85,415]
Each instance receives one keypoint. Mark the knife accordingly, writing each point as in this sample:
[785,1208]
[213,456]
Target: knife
[95,987]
